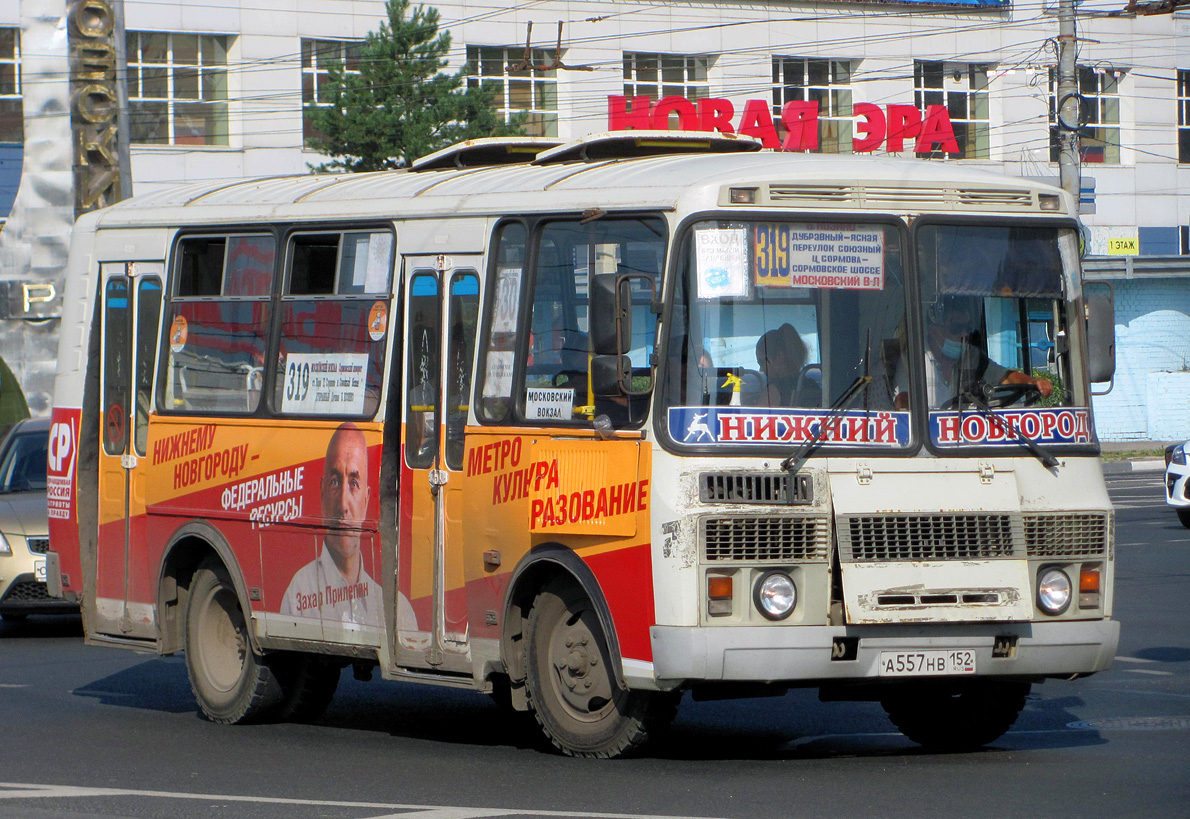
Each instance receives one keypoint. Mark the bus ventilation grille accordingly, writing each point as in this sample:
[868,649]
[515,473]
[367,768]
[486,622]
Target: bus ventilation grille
[769,539]
[752,487]
[876,538]
[38,545]
[875,196]
[1067,534]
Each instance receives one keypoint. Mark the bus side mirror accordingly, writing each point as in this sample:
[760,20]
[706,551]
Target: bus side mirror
[610,314]
[1101,331]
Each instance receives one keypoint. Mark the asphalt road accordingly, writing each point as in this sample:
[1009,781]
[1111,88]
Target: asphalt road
[96,733]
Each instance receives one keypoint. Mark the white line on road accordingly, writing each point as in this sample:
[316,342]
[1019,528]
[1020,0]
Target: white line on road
[22,790]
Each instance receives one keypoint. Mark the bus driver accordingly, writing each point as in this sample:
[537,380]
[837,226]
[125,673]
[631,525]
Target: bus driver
[950,325]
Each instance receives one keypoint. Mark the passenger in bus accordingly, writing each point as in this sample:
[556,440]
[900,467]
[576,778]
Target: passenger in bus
[781,356]
[953,355]
[335,585]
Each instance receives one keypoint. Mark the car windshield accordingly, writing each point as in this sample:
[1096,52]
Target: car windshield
[23,464]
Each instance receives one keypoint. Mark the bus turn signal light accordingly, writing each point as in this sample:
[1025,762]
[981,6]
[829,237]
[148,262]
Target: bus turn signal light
[719,591]
[1088,586]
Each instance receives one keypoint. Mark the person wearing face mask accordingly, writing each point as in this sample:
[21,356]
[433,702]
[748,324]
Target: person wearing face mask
[951,357]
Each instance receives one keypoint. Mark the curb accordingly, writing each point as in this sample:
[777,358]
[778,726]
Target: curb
[1140,465]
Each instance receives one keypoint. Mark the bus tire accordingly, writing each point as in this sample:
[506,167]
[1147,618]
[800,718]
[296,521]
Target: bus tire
[309,683]
[231,682]
[956,719]
[572,686]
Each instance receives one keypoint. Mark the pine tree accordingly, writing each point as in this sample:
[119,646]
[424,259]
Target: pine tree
[400,105]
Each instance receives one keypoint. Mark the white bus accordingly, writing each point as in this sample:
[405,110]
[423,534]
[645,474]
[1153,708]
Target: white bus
[590,425]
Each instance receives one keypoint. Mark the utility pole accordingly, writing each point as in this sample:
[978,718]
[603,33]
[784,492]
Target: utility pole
[1068,102]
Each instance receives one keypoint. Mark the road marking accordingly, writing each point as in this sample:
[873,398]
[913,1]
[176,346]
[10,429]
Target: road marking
[23,790]
[1152,671]
[1120,659]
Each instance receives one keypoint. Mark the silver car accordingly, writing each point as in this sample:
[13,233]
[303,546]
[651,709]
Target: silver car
[24,529]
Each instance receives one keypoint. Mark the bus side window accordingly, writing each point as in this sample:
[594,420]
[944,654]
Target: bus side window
[334,319]
[505,302]
[464,315]
[422,367]
[217,324]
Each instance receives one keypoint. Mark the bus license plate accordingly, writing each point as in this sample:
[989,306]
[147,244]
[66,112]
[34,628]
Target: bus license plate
[39,570]
[926,663]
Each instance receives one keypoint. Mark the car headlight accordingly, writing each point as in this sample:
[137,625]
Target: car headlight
[5,549]
[775,595]
[1179,454]
[1053,591]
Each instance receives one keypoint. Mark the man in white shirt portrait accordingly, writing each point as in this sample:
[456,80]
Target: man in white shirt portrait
[335,586]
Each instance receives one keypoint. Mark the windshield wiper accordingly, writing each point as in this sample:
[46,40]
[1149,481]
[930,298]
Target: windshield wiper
[795,461]
[1046,458]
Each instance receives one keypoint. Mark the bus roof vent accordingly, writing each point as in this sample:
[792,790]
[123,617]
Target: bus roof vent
[753,487]
[632,144]
[485,152]
[925,199]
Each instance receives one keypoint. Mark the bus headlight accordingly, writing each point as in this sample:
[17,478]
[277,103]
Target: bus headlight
[1053,591]
[775,595]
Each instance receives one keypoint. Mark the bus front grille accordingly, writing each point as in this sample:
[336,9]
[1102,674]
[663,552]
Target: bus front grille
[768,539]
[885,538]
[755,487]
[1067,534]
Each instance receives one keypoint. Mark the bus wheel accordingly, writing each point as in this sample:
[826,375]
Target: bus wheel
[231,682]
[958,719]
[572,686]
[309,683]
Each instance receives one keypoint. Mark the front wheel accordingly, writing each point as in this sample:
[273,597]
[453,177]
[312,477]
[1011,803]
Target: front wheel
[572,685]
[231,682]
[956,718]
[1184,517]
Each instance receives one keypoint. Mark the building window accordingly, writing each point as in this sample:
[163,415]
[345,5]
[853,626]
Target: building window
[177,88]
[1184,116]
[666,75]
[518,90]
[12,117]
[317,58]
[1099,114]
[827,82]
[963,89]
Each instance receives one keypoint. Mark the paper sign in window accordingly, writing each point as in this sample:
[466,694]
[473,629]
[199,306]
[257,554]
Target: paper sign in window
[325,383]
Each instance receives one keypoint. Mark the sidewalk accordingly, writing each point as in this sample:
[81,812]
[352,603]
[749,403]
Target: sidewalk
[1136,464]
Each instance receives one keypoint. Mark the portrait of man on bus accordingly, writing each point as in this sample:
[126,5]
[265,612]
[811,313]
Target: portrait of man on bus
[336,584]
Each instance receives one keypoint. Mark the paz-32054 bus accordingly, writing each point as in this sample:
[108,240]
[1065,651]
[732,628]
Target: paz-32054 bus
[587,426]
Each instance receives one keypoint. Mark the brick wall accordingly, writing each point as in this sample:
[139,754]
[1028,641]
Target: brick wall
[1151,395]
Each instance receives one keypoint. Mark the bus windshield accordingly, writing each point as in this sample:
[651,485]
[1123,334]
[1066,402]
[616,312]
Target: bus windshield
[774,321]
[994,327]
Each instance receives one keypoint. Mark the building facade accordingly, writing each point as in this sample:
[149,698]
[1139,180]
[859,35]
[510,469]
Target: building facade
[216,89]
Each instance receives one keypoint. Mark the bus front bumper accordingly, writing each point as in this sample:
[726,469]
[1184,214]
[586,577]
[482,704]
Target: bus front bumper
[804,653]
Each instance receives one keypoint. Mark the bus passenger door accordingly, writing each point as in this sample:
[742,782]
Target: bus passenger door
[125,591]
[442,304]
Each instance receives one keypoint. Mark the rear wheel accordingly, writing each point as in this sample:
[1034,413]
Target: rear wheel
[231,682]
[572,685]
[956,718]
